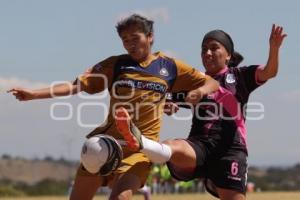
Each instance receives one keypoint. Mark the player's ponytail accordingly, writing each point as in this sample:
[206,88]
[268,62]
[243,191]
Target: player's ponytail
[235,60]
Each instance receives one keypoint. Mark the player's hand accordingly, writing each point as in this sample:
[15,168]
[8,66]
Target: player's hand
[22,94]
[170,108]
[276,37]
[194,96]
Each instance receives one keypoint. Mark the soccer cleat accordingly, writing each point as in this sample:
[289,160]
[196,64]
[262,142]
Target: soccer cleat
[128,130]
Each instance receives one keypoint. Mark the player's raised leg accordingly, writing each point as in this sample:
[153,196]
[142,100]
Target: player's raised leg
[157,152]
[128,130]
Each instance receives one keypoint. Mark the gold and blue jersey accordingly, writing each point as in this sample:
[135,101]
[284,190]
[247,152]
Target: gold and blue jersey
[140,87]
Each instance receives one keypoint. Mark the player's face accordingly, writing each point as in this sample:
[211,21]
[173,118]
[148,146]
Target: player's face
[137,44]
[214,56]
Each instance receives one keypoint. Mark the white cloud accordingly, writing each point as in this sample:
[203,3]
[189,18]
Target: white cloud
[157,14]
[7,83]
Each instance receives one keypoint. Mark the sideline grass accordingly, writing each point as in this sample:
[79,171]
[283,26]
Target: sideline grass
[251,196]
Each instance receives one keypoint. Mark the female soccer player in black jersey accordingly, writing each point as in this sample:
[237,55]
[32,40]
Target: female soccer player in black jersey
[216,148]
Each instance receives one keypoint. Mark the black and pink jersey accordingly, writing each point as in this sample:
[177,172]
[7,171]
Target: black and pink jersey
[218,119]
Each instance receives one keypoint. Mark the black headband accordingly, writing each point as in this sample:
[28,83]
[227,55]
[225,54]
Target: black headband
[221,37]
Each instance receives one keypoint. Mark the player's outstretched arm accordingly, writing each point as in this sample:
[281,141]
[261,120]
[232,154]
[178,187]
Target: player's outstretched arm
[24,94]
[270,70]
[196,95]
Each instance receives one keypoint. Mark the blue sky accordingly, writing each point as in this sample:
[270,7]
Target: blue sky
[47,41]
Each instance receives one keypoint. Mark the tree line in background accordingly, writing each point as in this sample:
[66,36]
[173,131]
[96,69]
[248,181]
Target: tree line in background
[160,181]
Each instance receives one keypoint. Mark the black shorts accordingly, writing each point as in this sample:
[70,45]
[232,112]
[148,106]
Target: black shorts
[228,172]
[225,168]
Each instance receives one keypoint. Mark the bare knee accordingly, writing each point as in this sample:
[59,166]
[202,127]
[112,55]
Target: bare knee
[226,194]
[126,195]
[182,150]
[124,186]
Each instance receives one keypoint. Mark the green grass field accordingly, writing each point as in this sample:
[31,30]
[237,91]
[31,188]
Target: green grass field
[251,196]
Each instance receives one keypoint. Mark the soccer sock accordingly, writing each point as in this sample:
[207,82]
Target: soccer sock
[157,152]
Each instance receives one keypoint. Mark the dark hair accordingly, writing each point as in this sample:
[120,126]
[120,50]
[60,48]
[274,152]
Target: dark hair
[235,60]
[143,24]
[225,39]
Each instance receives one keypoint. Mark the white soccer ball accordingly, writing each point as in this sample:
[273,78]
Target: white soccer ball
[101,154]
